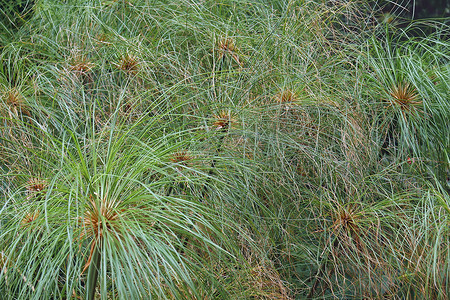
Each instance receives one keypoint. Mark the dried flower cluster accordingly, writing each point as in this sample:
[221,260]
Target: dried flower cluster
[15,103]
[227,46]
[181,157]
[129,64]
[287,98]
[224,120]
[80,64]
[404,96]
[35,187]
[99,219]
[30,217]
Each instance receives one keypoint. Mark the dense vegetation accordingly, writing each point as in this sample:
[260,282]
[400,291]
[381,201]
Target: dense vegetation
[223,150]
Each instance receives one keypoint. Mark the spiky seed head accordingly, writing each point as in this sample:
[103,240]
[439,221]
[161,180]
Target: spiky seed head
[100,218]
[346,225]
[181,157]
[223,120]
[80,64]
[29,218]
[404,96]
[13,97]
[346,219]
[129,64]
[36,185]
[226,44]
[286,97]
[14,101]
[101,215]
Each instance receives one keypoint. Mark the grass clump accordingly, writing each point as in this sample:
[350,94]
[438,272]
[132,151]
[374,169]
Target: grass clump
[213,150]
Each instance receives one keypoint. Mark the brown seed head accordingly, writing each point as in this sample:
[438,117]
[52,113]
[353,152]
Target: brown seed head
[129,64]
[224,120]
[404,96]
[29,218]
[181,157]
[14,101]
[13,97]
[80,64]
[226,44]
[36,185]
[347,228]
[100,216]
[287,97]
[346,219]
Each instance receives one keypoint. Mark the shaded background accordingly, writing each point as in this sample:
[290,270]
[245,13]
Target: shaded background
[418,9]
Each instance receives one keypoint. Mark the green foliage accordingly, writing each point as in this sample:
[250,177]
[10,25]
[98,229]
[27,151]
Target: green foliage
[13,14]
[223,149]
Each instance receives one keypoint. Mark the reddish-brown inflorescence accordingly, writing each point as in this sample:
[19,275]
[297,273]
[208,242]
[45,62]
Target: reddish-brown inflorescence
[99,219]
[129,64]
[226,46]
[404,96]
[224,120]
[15,102]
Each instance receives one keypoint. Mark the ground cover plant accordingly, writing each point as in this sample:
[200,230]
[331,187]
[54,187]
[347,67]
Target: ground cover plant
[223,150]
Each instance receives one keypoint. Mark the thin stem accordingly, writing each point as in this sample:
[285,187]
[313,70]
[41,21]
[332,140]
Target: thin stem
[93,272]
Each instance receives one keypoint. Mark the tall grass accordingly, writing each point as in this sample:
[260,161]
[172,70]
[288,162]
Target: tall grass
[231,149]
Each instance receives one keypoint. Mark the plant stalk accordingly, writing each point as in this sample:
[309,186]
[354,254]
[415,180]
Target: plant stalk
[93,271]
